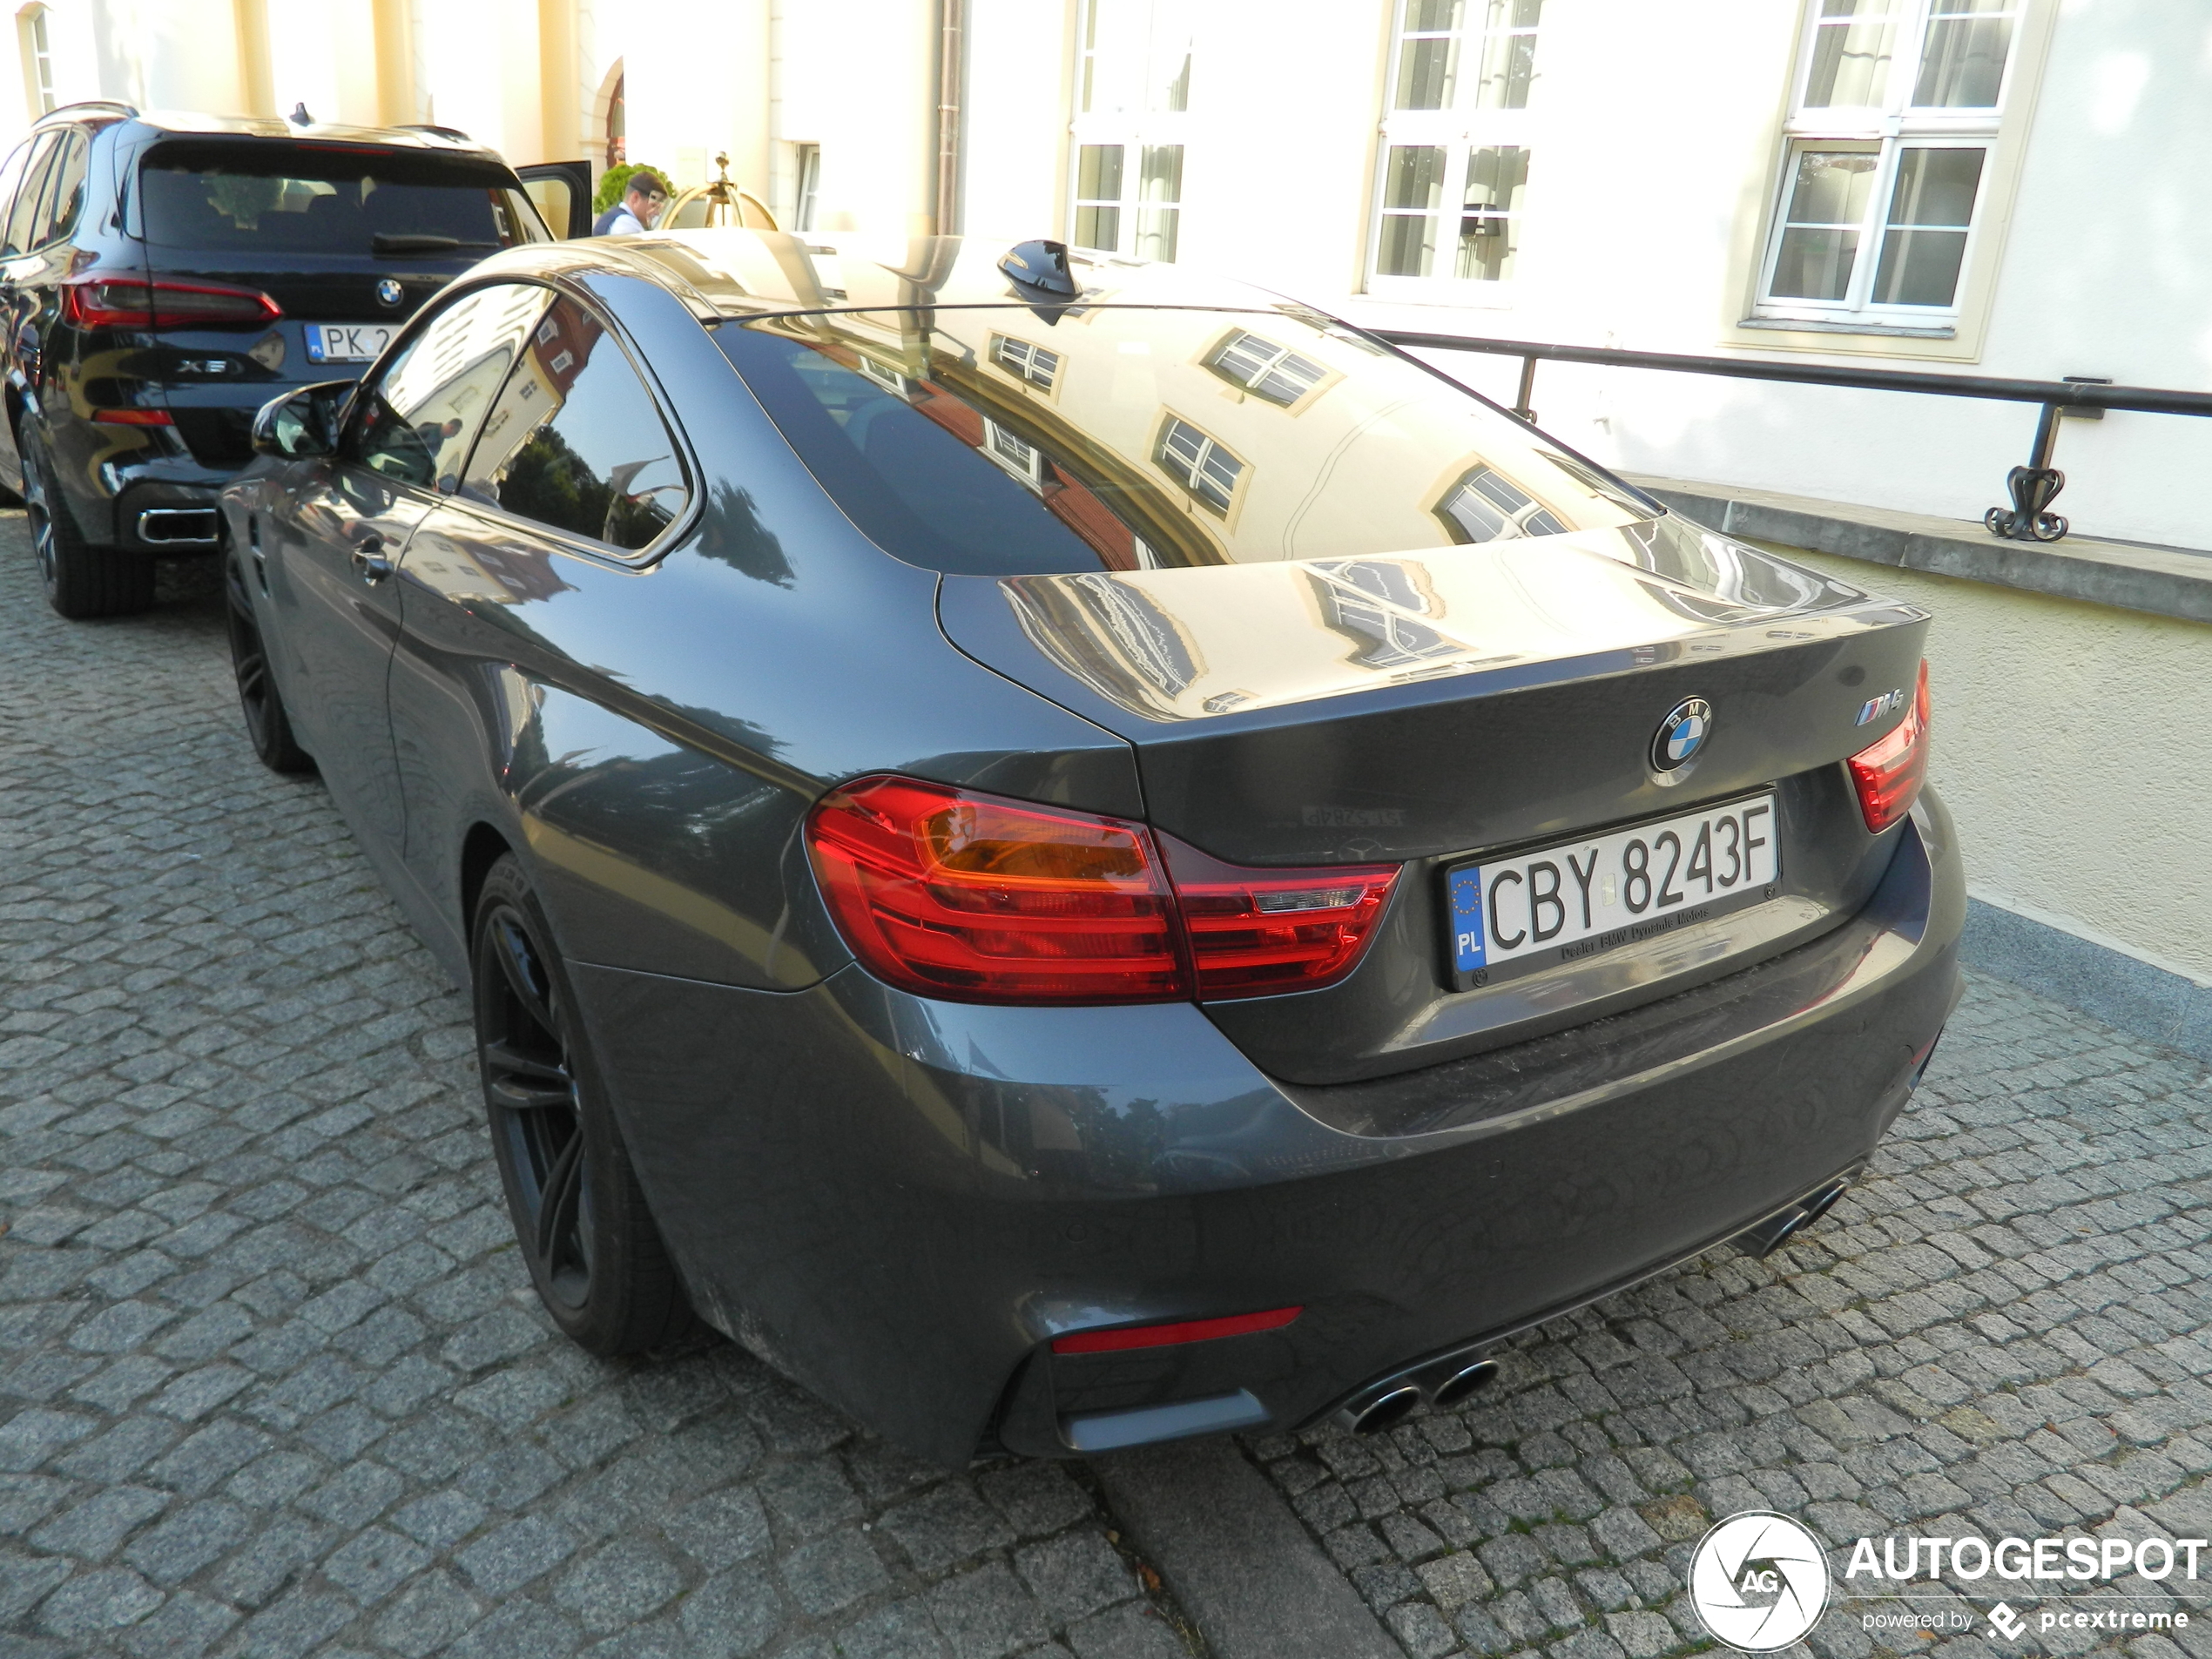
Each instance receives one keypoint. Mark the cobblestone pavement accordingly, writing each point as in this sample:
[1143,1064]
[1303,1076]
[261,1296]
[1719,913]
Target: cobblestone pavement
[2002,1332]
[272,1380]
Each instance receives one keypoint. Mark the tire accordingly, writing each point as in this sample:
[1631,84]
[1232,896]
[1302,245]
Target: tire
[81,581]
[267,727]
[594,1253]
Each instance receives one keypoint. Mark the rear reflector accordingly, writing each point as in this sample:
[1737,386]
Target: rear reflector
[1163,1336]
[132,417]
[973,898]
[109,302]
[1888,774]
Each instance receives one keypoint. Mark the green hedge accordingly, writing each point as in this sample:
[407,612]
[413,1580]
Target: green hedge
[614,181]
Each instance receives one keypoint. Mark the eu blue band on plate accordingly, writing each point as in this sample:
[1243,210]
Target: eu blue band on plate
[1466,919]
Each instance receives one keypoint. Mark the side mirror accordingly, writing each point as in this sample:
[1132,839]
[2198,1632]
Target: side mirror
[303,423]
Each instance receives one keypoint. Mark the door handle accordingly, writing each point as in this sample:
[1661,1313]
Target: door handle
[369,562]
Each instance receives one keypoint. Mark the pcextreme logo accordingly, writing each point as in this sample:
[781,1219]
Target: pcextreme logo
[1759,1581]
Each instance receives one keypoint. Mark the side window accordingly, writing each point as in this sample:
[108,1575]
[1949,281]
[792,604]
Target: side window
[11,178]
[418,417]
[23,214]
[65,197]
[576,441]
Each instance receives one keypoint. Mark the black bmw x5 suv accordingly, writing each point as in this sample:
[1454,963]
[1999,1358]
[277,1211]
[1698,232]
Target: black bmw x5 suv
[163,276]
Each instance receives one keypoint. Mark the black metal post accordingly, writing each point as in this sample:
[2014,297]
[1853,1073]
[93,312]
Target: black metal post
[1527,389]
[2032,488]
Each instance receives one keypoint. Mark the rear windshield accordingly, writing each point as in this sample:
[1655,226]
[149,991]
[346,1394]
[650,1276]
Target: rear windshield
[286,199]
[1008,441]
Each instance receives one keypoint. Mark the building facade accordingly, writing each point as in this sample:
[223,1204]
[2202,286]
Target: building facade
[2002,187]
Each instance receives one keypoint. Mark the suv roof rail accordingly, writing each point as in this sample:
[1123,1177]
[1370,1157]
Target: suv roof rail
[114,104]
[443,132]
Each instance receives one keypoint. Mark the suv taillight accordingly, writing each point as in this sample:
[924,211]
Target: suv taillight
[112,302]
[969,897]
[1888,774]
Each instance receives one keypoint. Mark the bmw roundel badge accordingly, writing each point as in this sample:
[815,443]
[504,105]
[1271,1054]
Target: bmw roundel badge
[389,291]
[1681,734]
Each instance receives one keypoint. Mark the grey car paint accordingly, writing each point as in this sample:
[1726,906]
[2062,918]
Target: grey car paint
[900,1199]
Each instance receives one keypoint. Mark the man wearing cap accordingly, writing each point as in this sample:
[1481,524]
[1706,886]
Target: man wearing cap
[641,204]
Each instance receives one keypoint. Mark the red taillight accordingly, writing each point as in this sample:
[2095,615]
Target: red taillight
[1889,774]
[107,302]
[97,304]
[1162,1336]
[966,896]
[1256,931]
[975,899]
[133,417]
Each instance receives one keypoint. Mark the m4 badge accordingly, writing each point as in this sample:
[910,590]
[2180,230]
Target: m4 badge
[1875,707]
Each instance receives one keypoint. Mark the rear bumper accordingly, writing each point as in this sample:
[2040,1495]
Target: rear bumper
[901,1201]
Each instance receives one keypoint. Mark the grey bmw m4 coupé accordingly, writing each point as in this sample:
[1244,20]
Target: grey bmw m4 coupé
[1076,855]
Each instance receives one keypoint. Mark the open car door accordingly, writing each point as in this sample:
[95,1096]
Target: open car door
[561,191]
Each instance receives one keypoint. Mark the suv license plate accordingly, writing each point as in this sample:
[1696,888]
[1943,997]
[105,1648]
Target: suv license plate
[1563,903]
[333,342]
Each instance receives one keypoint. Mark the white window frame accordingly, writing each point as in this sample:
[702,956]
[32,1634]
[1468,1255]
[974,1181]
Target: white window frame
[1465,126]
[1157,121]
[34,40]
[1887,130]
[1037,367]
[1187,474]
[806,185]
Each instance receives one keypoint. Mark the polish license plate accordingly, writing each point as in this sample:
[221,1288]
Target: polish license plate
[1581,899]
[334,342]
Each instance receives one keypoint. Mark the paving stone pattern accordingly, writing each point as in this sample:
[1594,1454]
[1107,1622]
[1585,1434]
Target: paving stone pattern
[2004,1331]
[272,1380]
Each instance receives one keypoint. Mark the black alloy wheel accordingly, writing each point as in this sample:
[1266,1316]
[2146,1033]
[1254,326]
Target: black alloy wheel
[267,725]
[81,581]
[594,1254]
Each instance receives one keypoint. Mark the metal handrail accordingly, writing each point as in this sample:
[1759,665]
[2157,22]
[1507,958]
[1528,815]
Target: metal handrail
[2032,487]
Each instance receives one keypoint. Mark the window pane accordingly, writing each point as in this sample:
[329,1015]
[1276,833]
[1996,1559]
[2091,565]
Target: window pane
[1098,173]
[1414,176]
[423,411]
[1934,188]
[1428,67]
[1171,69]
[24,213]
[1098,227]
[1406,246]
[1919,267]
[576,442]
[1963,66]
[1509,54]
[1159,187]
[67,194]
[1160,178]
[1851,55]
[1496,176]
[1815,265]
[1155,232]
[1831,187]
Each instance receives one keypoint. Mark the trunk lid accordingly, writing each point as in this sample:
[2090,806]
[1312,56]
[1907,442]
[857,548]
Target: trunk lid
[1433,706]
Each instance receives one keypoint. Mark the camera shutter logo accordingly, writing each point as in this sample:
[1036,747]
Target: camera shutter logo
[1759,1581]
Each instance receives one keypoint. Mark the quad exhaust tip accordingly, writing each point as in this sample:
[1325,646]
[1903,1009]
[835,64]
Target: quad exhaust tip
[1440,1383]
